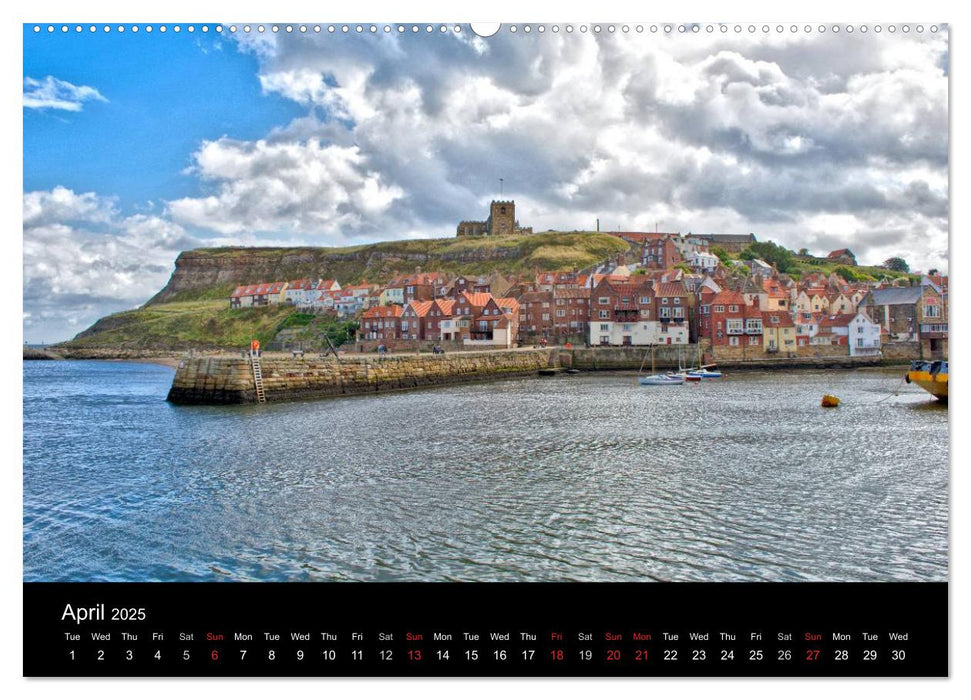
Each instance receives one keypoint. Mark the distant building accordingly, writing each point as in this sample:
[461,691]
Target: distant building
[914,313]
[778,331]
[501,222]
[702,261]
[262,294]
[864,336]
[381,323]
[843,255]
[660,254]
[726,320]
[731,243]
[638,312]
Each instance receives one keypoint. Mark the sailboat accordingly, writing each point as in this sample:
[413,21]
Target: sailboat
[685,373]
[703,371]
[655,379]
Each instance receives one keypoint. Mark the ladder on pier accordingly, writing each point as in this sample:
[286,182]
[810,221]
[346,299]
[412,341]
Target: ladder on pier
[258,377]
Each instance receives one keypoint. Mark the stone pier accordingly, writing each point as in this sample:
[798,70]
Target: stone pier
[229,380]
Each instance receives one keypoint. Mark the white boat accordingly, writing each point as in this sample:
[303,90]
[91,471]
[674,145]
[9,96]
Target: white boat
[655,379]
[704,373]
[662,380]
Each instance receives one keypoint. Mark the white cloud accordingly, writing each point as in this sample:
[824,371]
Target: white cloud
[304,187]
[52,93]
[721,132]
[83,260]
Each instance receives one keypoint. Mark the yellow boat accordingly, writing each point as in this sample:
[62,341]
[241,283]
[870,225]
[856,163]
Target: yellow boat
[929,376]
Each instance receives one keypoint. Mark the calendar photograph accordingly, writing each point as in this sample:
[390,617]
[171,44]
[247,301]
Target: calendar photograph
[535,303]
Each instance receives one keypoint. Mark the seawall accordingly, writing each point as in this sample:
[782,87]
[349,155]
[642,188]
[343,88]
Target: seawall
[671,357]
[229,380]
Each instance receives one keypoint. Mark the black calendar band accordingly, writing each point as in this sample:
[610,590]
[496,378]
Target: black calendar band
[485,629]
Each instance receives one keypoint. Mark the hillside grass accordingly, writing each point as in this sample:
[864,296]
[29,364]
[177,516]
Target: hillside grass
[182,325]
[864,273]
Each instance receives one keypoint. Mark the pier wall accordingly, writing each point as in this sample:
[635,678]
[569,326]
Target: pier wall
[229,380]
[667,357]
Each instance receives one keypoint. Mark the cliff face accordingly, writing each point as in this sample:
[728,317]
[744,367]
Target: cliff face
[209,273]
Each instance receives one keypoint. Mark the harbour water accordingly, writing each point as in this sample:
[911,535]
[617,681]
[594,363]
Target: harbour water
[587,477]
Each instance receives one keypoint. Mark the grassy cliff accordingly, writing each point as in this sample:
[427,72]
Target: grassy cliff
[192,310]
[211,273]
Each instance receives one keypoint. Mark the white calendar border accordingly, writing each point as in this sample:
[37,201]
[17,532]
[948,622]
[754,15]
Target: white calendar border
[816,11]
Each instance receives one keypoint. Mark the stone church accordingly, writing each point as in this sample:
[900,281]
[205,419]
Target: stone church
[501,222]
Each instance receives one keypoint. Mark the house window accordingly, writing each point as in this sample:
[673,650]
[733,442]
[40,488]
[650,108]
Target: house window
[604,314]
[732,308]
[645,300]
[734,340]
[604,327]
[677,301]
[664,300]
[603,300]
[705,309]
[560,313]
[718,309]
[753,340]
[932,311]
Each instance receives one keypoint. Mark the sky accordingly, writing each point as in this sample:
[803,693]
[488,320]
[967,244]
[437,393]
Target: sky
[140,145]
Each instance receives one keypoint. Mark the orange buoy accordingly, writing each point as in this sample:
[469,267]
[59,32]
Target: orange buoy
[830,401]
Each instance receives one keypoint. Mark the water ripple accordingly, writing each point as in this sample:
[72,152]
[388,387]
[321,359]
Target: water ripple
[584,478]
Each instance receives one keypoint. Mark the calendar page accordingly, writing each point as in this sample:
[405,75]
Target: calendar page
[447,349]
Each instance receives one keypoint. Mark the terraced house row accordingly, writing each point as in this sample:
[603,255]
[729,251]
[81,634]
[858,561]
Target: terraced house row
[620,304]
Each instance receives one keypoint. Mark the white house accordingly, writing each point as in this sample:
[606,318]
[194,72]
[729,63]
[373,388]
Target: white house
[701,260]
[301,292]
[864,336]
[637,333]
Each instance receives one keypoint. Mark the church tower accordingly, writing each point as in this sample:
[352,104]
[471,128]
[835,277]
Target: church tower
[502,218]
